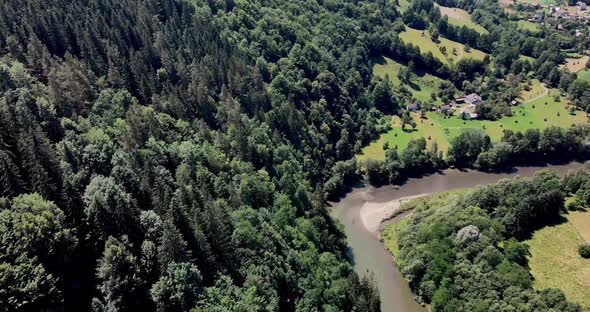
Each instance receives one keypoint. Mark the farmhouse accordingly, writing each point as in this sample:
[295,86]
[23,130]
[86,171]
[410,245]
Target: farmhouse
[536,18]
[581,5]
[412,106]
[444,108]
[473,98]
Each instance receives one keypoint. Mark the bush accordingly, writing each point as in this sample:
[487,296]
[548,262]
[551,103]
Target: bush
[584,250]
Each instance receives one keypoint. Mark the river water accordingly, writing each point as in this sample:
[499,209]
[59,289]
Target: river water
[368,254]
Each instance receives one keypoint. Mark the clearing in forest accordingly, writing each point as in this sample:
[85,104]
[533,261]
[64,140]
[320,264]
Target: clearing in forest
[534,27]
[584,75]
[539,113]
[454,50]
[575,64]
[460,17]
[421,85]
[555,261]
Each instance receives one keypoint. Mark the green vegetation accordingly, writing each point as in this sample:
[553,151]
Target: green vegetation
[449,244]
[459,17]
[421,85]
[454,50]
[534,27]
[584,75]
[441,129]
[540,113]
[555,262]
[390,236]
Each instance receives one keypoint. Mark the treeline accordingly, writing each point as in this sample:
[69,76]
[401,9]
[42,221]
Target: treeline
[472,148]
[169,155]
[465,253]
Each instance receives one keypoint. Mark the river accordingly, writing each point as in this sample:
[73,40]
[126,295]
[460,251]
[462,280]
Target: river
[368,254]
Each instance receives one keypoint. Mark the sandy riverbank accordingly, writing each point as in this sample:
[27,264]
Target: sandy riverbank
[373,213]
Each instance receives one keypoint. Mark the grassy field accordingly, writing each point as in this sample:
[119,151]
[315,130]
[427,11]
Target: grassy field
[534,27]
[403,5]
[584,74]
[527,115]
[575,64]
[555,262]
[426,44]
[459,17]
[422,85]
[536,90]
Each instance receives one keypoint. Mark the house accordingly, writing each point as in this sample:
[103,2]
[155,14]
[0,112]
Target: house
[412,107]
[473,98]
[581,5]
[459,100]
[535,4]
[444,108]
[468,115]
[536,18]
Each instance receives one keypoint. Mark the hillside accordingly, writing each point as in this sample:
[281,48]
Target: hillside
[451,51]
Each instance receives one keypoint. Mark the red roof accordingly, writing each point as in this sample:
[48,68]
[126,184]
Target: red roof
[535,3]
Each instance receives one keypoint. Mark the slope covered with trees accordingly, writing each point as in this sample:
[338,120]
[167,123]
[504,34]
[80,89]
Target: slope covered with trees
[463,252]
[172,154]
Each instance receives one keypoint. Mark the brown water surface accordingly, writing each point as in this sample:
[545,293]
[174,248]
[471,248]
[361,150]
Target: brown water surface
[368,254]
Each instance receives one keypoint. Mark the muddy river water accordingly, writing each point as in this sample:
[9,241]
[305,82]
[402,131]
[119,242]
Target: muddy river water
[362,209]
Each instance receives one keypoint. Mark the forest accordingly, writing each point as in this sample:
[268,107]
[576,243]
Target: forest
[170,155]
[176,155]
[465,252]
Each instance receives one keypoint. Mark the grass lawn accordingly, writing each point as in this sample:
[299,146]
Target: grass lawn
[575,64]
[403,5]
[426,44]
[536,90]
[525,116]
[459,17]
[555,262]
[422,85]
[534,27]
[584,74]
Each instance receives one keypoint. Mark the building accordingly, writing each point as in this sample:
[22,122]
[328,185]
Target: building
[536,18]
[581,6]
[412,107]
[444,108]
[473,98]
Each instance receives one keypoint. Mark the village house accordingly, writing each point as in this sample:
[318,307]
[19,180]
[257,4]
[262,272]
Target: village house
[412,107]
[536,18]
[444,108]
[473,99]
[581,6]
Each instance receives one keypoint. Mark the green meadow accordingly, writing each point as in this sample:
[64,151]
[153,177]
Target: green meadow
[564,269]
[454,50]
[422,85]
[459,17]
[539,113]
[534,27]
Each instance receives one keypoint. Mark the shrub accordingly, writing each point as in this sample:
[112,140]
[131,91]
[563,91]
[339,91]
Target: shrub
[584,250]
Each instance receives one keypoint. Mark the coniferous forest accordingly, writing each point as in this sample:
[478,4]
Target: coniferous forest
[176,155]
[170,155]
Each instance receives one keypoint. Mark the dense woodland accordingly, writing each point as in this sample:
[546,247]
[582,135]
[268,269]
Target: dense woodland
[462,252]
[170,155]
[177,154]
